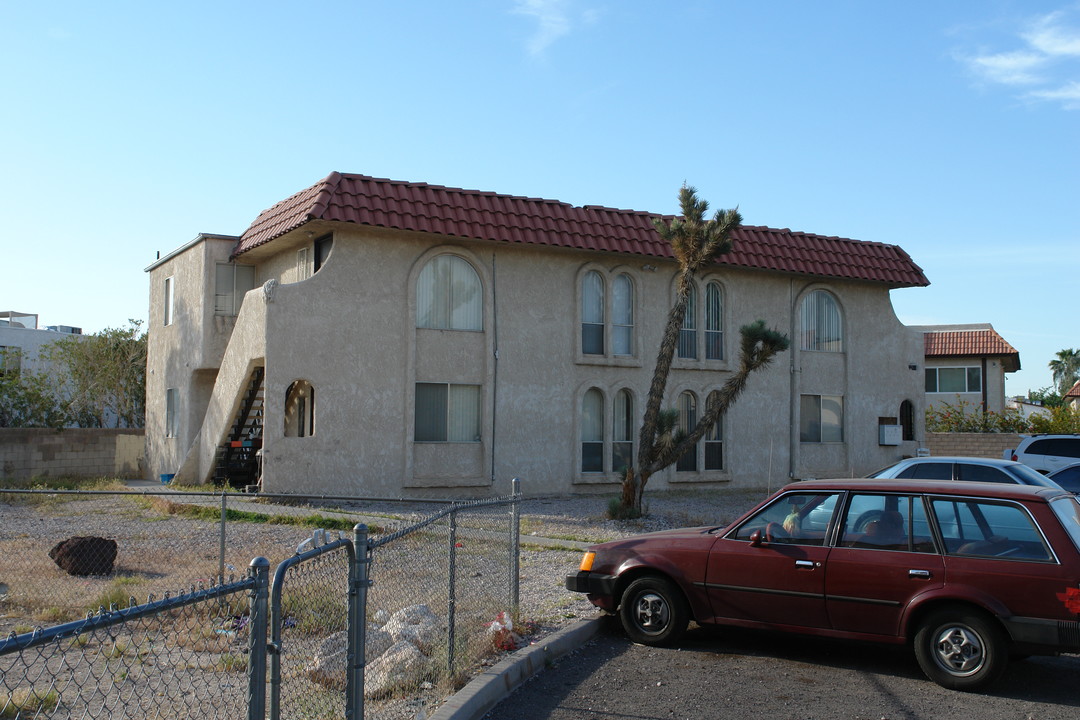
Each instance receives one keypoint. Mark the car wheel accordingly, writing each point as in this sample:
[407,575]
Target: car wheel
[961,649]
[653,611]
[866,518]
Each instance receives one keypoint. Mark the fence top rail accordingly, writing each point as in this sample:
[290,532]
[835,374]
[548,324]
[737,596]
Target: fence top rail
[505,500]
[248,496]
[110,617]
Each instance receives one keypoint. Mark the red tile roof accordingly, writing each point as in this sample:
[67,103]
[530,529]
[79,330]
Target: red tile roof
[971,343]
[1074,391]
[490,216]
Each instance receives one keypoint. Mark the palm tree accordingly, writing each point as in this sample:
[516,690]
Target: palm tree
[695,242]
[1065,369]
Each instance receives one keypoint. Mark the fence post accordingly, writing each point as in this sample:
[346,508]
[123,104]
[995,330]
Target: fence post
[221,549]
[515,548]
[257,624]
[359,581]
[452,596]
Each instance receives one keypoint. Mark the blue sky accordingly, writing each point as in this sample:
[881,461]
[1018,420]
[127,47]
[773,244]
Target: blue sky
[951,129]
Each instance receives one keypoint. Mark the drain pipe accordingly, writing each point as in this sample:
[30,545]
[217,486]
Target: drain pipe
[495,365]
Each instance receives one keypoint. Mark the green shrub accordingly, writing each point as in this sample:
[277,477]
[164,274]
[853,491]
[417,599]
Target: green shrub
[971,418]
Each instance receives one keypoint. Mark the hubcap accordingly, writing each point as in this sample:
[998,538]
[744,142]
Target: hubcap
[958,650]
[651,612]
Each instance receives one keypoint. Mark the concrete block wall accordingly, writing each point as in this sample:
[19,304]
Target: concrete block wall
[988,445]
[26,453]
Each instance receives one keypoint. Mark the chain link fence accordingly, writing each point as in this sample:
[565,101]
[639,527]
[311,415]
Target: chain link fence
[423,597]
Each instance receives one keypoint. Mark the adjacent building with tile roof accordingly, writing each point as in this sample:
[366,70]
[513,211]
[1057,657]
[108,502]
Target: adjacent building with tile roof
[377,337]
[967,363]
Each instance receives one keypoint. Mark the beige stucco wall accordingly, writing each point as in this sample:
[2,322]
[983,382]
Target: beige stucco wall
[993,379]
[350,331]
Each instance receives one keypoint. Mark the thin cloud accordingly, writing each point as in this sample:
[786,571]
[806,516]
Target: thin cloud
[1046,62]
[553,21]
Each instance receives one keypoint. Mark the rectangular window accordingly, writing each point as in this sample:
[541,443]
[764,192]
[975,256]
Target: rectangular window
[168,301]
[991,530]
[303,264]
[821,419]
[10,360]
[714,446]
[447,413]
[172,412]
[622,446]
[231,283]
[954,379]
[714,323]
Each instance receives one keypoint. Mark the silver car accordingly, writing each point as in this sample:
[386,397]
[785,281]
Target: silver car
[964,468]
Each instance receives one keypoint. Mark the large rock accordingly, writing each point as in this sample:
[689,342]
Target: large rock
[85,555]
[327,668]
[401,666]
[415,624]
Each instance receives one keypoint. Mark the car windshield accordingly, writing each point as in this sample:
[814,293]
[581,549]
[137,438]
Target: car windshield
[1027,476]
[1068,512]
[1068,478]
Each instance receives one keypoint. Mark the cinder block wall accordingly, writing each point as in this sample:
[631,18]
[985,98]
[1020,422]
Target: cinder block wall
[73,452]
[989,445]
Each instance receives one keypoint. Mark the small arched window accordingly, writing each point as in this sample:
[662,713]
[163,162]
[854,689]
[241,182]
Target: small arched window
[820,323]
[688,335]
[300,409]
[592,313]
[907,420]
[592,431]
[622,308]
[448,295]
[714,440]
[688,416]
[714,322]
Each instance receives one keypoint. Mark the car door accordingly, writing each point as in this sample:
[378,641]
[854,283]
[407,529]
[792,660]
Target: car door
[771,568]
[884,557]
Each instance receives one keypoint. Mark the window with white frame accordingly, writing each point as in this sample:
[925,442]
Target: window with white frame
[821,419]
[688,417]
[820,323]
[445,412]
[448,295]
[954,379]
[232,281]
[687,349]
[172,412]
[592,313]
[714,440]
[622,445]
[303,264]
[592,431]
[168,301]
[714,321]
[622,311]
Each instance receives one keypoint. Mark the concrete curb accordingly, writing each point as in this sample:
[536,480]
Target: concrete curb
[493,686]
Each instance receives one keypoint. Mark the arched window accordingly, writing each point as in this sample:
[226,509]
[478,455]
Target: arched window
[907,420]
[300,409]
[688,334]
[622,446]
[714,322]
[820,323]
[592,314]
[622,308]
[448,295]
[592,431]
[688,416]
[714,440]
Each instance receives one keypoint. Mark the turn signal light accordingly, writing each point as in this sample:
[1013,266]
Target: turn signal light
[587,561]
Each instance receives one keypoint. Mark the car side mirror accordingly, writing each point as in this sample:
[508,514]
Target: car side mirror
[756,538]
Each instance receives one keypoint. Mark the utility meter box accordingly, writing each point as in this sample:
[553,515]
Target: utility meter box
[889,435]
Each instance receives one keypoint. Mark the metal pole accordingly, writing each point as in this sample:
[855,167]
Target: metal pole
[356,655]
[257,623]
[515,548]
[452,596]
[221,549]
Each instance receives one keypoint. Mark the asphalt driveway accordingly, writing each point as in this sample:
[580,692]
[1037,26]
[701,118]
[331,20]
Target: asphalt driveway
[718,673]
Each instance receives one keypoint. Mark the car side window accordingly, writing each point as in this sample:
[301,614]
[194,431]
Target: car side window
[927,471]
[886,522]
[792,519]
[976,528]
[981,473]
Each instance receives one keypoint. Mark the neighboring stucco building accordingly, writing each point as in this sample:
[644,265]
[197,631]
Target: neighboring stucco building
[967,363]
[21,340]
[379,337]
[1072,398]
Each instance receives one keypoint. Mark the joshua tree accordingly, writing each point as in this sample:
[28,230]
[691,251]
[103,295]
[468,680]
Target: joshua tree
[695,243]
[1066,369]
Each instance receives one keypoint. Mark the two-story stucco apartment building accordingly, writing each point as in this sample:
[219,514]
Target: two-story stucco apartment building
[377,337]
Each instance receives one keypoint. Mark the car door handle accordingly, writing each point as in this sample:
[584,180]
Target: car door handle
[804,564]
[919,574]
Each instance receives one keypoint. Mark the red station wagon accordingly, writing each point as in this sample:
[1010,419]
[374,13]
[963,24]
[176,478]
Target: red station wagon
[968,573]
